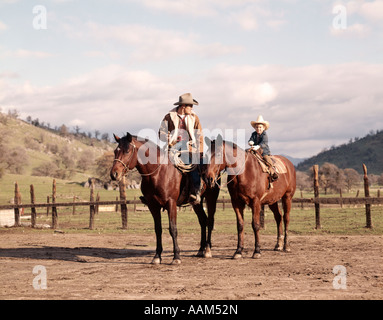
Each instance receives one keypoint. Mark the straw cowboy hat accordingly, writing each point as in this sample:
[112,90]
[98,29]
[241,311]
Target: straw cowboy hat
[260,120]
[186,99]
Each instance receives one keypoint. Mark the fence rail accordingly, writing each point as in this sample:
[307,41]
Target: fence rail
[367,201]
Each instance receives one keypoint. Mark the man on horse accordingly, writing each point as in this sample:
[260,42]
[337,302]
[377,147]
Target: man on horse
[259,140]
[182,130]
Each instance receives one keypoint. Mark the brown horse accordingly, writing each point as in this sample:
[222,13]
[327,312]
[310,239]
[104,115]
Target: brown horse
[161,187]
[248,185]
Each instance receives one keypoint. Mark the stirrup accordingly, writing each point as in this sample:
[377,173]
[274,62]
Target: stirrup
[194,199]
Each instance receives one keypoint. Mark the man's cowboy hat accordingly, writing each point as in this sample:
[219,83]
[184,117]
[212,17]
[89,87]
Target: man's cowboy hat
[260,120]
[186,99]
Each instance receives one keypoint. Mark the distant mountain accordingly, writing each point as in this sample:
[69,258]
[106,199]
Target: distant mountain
[367,150]
[295,161]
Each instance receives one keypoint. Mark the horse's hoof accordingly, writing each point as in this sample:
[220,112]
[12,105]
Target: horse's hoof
[176,262]
[208,255]
[200,254]
[278,248]
[256,255]
[156,261]
[287,249]
[237,256]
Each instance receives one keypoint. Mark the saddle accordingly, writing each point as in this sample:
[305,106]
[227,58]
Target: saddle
[278,164]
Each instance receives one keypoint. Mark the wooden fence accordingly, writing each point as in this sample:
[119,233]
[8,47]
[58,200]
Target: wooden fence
[93,203]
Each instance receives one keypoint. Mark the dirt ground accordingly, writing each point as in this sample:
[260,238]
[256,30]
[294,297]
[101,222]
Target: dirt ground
[84,266]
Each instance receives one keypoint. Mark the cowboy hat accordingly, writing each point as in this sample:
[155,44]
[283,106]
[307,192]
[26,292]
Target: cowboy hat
[186,99]
[260,120]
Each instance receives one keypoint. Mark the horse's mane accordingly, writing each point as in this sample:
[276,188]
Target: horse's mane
[151,144]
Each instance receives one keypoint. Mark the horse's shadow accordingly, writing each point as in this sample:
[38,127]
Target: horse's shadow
[77,254]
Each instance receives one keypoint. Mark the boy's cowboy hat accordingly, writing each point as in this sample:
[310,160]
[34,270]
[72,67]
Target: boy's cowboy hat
[260,120]
[186,99]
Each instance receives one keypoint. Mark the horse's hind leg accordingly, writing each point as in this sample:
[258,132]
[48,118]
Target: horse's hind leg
[278,219]
[286,203]
[172,212]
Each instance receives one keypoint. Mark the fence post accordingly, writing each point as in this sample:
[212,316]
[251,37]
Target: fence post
[316,195]
[367,195]
[92,209]
[97,200]
[223,203]
[341,197]
[47,207]
[74,206]
[33,209]
[17,201]
[54,209]
[124,209]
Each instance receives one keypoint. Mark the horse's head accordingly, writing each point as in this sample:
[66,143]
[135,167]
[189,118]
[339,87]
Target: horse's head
[125,156]
[214,162]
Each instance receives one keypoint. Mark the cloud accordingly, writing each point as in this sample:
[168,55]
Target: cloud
[309,108]
[3,26]
[373,11]
[148,43]
[356,30]
[244,13]
[21,53]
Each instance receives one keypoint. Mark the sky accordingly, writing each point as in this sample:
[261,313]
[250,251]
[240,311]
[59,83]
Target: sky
[312,68]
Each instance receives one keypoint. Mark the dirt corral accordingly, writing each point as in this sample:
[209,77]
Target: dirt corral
[96,266]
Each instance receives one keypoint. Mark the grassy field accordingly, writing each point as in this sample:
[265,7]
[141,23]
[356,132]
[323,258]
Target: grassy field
[334,220]
[346,221]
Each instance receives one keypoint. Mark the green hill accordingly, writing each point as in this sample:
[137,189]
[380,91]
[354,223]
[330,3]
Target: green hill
[367,150]
[27,149]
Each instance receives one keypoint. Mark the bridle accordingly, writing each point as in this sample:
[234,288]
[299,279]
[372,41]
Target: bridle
[127,165]
[220,173]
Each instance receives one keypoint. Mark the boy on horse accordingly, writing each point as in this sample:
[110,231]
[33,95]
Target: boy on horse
[259,139]
[182,130]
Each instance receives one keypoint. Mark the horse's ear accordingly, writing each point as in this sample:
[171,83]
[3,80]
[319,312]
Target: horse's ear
[219,139]
[117,138]
[129,137]
[207,141]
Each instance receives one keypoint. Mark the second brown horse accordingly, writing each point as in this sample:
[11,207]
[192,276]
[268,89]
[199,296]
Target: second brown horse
[248,185]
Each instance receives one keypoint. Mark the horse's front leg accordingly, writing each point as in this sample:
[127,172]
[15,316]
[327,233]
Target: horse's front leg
[256,224]
[172,213]
[198,209]
[156,213]
[240,226]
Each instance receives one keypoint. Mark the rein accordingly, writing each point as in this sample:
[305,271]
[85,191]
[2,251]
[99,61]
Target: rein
[219,176]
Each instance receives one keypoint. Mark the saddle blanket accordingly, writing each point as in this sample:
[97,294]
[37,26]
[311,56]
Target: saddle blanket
[279,165]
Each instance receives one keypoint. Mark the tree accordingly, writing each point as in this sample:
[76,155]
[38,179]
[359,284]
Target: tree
[46,169]
[96,134]
[86,160]
[105,137]
[331,177]
[352,178]
[63,130]
[103,165]
[303,180]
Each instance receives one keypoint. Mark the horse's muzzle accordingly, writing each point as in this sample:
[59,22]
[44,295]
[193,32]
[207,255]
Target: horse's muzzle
[114,175]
